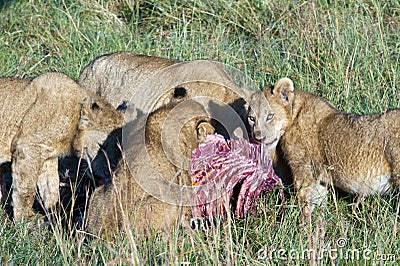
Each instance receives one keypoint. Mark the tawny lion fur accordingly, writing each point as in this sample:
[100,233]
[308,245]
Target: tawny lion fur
[123,201]
[359,154]
[43,119]
[117,77]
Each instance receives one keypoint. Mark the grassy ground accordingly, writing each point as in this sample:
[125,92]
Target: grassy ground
[345,51]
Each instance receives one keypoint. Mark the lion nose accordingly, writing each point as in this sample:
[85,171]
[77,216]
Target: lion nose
[258,135]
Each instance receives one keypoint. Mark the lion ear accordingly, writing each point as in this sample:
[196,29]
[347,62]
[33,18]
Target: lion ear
[268,90]
[204,129]
[284,90]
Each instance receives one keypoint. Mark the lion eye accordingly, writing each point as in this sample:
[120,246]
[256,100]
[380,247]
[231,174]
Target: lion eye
[252,118]
[269,117]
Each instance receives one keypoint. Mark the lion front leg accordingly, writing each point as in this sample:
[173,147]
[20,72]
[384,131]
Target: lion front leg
[311,190]
[24,174]
[49,184]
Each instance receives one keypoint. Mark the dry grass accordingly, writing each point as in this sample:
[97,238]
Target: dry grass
[345,51]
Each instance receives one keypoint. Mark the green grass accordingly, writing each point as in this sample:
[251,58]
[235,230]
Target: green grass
[345,51]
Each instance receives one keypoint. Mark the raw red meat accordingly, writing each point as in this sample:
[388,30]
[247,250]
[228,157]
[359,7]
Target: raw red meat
[218,165]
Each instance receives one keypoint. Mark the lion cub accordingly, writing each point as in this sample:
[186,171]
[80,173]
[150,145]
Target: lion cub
[43,119]
[358,154]
[123,201]
[117,77]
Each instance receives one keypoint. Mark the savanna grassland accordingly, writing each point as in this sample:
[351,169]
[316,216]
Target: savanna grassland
[345,51]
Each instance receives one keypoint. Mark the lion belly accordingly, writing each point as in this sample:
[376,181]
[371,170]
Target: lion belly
[366,185]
